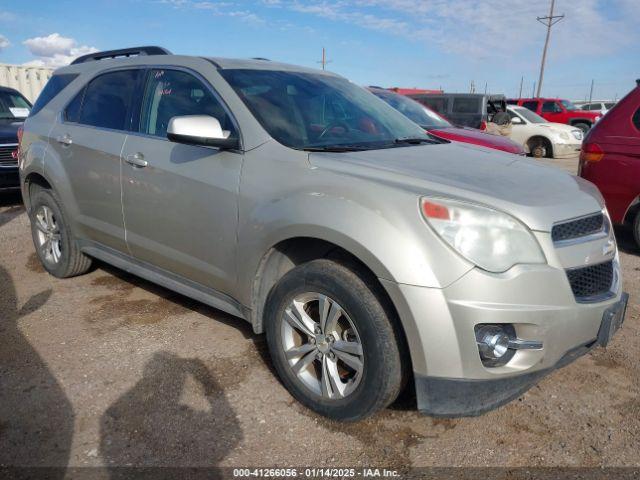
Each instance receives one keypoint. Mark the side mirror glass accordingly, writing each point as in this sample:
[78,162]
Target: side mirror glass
[203,130]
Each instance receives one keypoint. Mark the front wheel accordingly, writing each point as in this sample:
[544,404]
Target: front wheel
[332,341]
[582,126]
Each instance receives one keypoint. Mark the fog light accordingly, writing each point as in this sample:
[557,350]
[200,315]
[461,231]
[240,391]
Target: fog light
[493,343]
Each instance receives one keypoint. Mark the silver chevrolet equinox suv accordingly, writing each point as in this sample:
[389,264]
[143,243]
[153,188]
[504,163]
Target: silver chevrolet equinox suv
[370,253]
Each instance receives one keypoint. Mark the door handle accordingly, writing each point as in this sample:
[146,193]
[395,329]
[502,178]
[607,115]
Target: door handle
[136,159]
[64,140]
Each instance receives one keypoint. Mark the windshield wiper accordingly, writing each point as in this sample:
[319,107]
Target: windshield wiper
[334,148]
[415,140]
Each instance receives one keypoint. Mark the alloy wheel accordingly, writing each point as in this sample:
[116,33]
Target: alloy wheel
[322,345]
[48,235]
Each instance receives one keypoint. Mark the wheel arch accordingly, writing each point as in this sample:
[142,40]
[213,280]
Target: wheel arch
[588,121]
[33,178]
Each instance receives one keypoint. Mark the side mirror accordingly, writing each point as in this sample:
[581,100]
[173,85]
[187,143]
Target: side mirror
[202,130]
[517,121]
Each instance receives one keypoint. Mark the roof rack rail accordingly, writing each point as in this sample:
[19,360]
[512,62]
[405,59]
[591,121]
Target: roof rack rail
[123,52]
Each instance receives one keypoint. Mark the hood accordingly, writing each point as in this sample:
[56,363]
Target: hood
[559,127]
[536,194]
[477,137]
[9,130]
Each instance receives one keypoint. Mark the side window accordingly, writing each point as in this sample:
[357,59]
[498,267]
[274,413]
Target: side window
[636,119]
[72,112]
[107,100]
[609,105]
[54,86]
[533,106]
[467,105]
[549,107]
[173,93]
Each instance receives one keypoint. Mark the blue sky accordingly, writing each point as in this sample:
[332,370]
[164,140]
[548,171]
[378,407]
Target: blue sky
[408,43]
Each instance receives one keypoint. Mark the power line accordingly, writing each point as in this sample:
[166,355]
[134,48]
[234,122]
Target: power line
[550,20]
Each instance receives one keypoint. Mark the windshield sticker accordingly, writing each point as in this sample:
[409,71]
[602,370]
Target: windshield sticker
[19,112]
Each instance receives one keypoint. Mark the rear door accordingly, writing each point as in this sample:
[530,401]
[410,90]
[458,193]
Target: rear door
[180,201]
[88,139]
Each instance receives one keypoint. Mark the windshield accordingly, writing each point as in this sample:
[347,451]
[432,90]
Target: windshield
[13,105]
[529,116]
[317,111]
[568,105]
[413,110]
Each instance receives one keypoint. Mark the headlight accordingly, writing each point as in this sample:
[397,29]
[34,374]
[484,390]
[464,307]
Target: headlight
[577,134]
[564,136]
[490,239]
[598,118]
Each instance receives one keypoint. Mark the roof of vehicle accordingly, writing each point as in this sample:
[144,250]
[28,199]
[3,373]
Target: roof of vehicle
[469,95]
[153,54]
[535,99]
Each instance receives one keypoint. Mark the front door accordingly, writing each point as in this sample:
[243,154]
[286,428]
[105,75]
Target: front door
[180,201]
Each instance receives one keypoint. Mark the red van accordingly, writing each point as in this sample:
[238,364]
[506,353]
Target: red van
[610,158]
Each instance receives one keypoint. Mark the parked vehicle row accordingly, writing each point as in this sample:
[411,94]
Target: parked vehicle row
[439,127]
[370,252]
[559,110]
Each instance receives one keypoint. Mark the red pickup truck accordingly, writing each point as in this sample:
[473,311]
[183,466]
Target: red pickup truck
[559,110]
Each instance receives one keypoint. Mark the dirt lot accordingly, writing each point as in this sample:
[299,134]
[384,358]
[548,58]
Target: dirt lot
[106,369]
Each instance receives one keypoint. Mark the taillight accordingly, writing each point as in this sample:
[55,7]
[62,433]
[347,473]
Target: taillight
[483,125]
[591,152]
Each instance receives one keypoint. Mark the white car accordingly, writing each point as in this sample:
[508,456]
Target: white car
[541,138]
[595,106]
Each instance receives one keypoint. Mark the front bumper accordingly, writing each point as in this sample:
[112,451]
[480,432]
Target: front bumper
[566,150]
[536,299]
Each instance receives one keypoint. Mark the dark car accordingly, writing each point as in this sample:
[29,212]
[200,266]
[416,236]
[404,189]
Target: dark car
[14,108]
[439,127]
[473,110]
[610,158]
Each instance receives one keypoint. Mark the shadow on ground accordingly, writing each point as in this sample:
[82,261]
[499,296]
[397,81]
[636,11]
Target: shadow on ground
[176,416]
[36,417]
[10,206]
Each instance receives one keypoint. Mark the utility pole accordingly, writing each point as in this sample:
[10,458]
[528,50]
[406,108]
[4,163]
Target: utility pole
[521,80]
[324,60]
[485,88]
[550,20]
[591,91]
[533,90]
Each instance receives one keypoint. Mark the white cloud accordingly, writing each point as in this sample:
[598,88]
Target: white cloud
[483,29]
[4,42]
[54,50]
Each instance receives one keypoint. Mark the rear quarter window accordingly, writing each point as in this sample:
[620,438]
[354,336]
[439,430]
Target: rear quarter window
[438,104]
[54,86]
[467,105]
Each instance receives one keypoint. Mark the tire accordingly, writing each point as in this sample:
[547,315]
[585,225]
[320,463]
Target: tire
[585,127]
[348,394]
[540,148]
[636,229]
[54,242]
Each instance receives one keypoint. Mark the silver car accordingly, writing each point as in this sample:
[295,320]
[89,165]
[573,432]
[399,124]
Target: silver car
[370,253]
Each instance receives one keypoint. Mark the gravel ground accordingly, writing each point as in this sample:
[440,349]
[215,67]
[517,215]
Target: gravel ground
[106,370]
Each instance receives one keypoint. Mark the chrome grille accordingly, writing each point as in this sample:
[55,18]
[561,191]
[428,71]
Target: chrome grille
[592,281]
[6,159]
[580,227]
